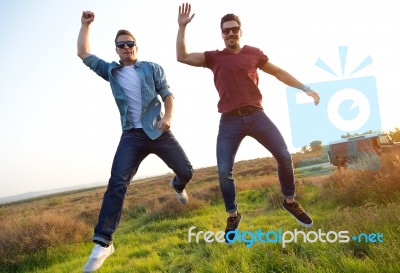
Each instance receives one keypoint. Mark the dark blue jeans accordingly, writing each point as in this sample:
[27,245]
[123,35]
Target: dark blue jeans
[134,146]
[232,130]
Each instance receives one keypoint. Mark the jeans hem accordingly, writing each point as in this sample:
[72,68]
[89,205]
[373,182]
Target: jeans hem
[289,196]
[231,210]
[102,240]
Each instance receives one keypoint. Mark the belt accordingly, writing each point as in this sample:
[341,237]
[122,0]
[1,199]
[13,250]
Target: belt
[243,111]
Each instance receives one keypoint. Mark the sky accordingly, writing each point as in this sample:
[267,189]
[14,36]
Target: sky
[59,124]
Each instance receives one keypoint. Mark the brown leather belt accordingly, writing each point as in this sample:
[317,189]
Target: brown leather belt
[243,111]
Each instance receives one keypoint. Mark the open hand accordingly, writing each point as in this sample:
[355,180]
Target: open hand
[184,14]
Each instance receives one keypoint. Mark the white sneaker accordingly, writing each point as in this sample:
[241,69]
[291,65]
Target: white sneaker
[183,198]
[97,258]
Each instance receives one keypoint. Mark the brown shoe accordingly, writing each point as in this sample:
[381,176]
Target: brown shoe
[297,211]
[232,223]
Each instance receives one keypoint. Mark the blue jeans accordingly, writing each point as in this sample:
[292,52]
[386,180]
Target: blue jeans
[232,130]
[134,146]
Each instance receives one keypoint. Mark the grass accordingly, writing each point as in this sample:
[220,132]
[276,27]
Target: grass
[355,187]
[153,235]
[317,170]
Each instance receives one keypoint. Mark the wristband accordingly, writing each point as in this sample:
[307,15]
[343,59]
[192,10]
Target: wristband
[306,88]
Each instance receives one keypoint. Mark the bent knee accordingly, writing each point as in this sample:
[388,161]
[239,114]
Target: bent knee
[285,160]
[187,175]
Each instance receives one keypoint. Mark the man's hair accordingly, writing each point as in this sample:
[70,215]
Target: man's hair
[124,32]
[230,17]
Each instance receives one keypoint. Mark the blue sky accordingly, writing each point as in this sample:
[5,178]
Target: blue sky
[59,123]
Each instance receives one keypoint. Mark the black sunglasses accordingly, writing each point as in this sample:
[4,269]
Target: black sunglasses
[122,44]
[235,30]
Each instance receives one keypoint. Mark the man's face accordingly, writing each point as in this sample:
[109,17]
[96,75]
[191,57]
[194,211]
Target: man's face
[128,52]
[231,34]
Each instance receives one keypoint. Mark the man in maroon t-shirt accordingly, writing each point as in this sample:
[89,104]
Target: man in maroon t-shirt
[236,79]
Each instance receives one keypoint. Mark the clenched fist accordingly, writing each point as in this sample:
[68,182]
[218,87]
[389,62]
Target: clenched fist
[87,17]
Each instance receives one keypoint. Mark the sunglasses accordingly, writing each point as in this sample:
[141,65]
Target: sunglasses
[122,44]
[235,30]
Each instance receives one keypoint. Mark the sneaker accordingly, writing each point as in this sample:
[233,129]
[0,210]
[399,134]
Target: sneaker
[297,211]
[232,223]
[182,196]
[97,258]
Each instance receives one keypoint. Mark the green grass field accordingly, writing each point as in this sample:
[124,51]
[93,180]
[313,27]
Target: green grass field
[153,235]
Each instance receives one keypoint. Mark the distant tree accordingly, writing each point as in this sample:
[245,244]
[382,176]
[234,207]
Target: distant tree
[305,149]
[316,145]
[348,135]
[370,132]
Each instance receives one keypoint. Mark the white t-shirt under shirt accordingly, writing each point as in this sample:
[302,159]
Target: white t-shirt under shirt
[129,80]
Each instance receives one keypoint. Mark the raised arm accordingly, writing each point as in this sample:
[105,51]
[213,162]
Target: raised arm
[83,37]
[288,79]
[194,59]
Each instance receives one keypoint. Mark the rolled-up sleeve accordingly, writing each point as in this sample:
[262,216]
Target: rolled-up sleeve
[160,81]
[99,66]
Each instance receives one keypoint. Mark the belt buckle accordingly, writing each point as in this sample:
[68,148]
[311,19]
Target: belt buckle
[244,111]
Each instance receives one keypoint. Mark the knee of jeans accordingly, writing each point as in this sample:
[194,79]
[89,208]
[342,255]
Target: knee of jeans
[187,176]
[119,181]
[225,176]
[285,160]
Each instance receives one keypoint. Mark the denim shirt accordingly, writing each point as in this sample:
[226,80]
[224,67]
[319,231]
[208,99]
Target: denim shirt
[153,82]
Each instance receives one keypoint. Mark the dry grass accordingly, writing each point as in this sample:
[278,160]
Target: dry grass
[35,225]
[22,235]
[201,194]
[31,226]
[368,214]
[155,198]
[355,187]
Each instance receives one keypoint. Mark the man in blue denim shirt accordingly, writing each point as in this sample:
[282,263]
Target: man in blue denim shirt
[136,86]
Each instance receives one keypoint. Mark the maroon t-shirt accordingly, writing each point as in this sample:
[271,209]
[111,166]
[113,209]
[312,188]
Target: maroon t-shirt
[236,77]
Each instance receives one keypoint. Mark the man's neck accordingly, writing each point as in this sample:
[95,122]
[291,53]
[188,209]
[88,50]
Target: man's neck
[128,62]
[234,50]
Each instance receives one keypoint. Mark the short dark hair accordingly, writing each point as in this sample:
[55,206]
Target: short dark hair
[230,17]
[124,32]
